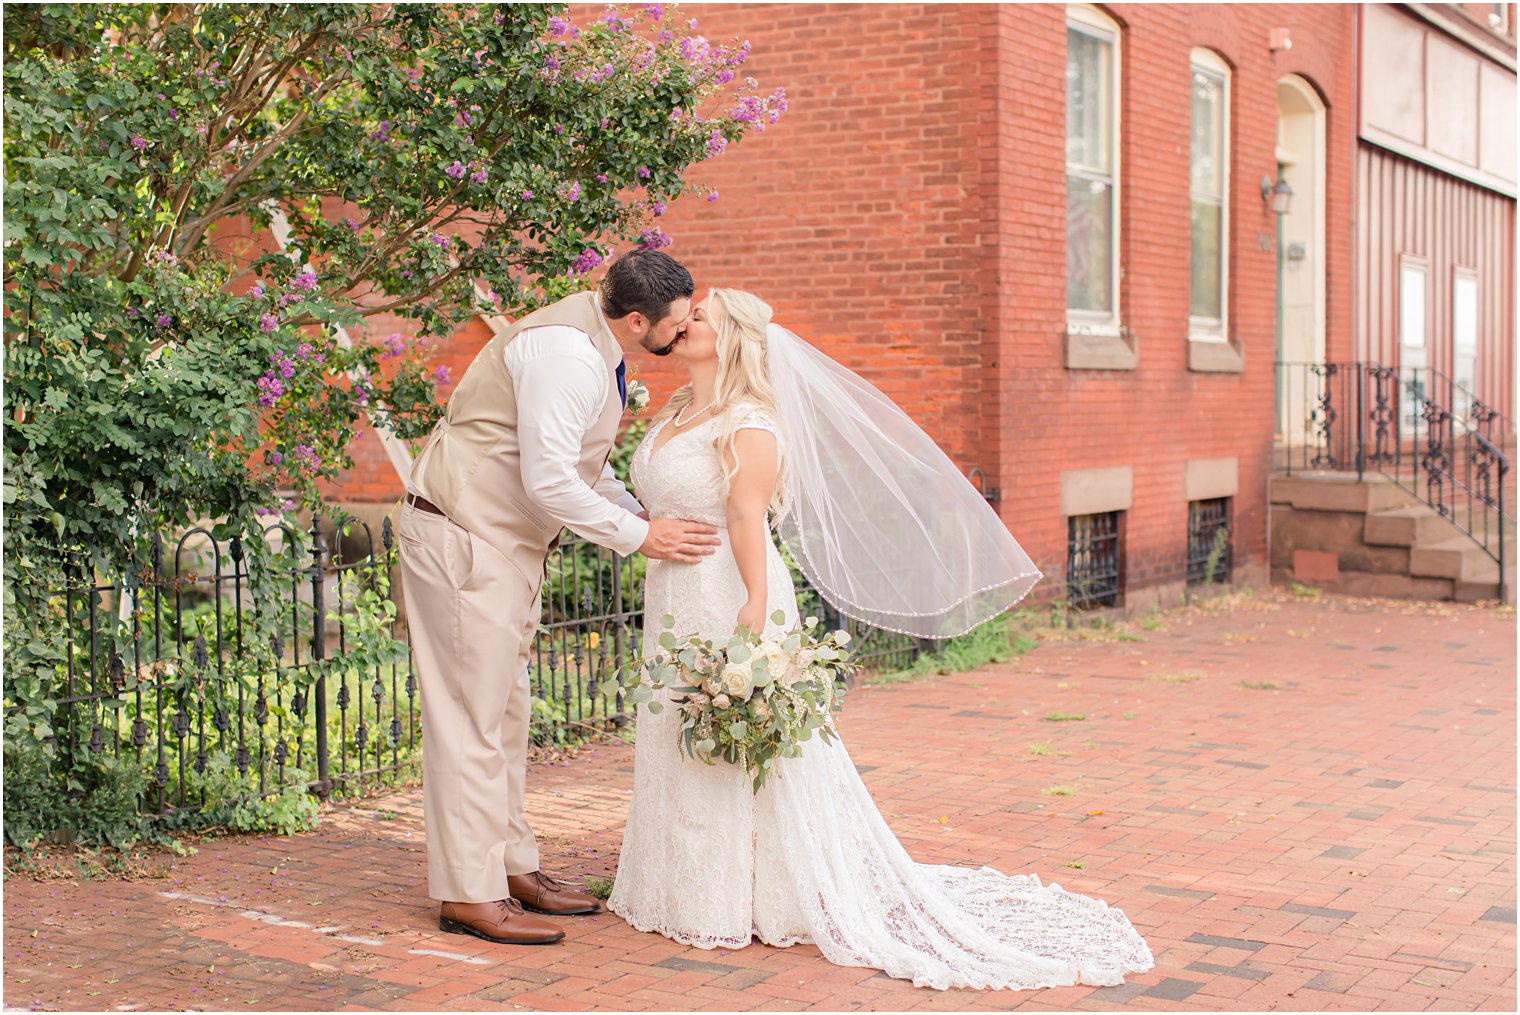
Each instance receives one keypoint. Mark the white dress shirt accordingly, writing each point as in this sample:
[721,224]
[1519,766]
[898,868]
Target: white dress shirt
[560,381]
[561,385]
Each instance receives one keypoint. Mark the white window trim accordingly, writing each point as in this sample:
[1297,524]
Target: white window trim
[1461,273]
[1207,329]
[1091,21]
[1407,262]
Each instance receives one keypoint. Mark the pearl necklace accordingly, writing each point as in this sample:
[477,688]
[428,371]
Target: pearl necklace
[676,419]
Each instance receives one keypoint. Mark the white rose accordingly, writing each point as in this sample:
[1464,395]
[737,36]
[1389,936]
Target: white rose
[712,685]
[721,702]
[738,681]
[760,710]
[805,658]
[775,659]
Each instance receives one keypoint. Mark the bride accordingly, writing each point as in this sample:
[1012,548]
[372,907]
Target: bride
[882,523]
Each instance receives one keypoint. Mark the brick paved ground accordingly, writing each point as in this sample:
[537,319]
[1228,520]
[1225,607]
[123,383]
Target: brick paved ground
[1301,804]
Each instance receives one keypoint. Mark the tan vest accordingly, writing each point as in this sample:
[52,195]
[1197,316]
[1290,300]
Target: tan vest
[470,466]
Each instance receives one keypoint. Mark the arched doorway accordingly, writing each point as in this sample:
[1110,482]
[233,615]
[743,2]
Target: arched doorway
[1300,240]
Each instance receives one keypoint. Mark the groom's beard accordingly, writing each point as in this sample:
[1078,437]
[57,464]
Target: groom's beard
[668,346]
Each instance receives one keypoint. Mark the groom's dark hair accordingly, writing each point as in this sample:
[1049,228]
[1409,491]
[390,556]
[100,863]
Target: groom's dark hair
[647,281]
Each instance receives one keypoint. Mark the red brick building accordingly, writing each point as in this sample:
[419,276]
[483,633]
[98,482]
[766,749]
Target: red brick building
[1044,231]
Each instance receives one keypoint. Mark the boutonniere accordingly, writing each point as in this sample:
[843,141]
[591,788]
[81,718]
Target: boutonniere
[638,397]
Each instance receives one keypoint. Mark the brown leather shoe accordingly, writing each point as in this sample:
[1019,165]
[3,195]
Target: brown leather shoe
[539,893]
[502,921]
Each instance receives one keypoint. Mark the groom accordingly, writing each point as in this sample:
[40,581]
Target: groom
[521,452]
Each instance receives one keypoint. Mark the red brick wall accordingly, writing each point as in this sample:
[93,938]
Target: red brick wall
[908,215]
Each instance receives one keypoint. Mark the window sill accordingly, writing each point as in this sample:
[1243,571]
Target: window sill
[1100,351]
[1213,356]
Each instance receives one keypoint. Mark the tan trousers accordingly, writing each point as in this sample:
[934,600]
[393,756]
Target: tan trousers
[472,616]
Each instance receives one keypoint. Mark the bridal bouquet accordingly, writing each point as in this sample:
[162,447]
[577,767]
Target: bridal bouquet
[748,700]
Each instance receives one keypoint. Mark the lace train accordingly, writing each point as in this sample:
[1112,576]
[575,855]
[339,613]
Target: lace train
[810,859]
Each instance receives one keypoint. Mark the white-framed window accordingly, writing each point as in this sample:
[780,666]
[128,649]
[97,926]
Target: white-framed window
[1464,339]
[1092,171]
[1209,190]
[1414,328]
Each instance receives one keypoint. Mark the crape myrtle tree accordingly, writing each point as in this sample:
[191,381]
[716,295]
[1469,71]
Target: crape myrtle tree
[215,214]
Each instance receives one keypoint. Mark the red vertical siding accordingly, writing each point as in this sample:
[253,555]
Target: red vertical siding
[1407,209]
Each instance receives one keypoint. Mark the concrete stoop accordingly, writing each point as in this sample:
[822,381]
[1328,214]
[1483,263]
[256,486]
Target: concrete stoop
[1371,537]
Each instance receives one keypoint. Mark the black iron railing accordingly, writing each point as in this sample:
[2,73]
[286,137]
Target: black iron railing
[164,665]
[1413,425]
[1092,560]
[1208,541]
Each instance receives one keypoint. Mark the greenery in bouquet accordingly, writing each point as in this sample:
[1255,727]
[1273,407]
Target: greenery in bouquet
[749,700]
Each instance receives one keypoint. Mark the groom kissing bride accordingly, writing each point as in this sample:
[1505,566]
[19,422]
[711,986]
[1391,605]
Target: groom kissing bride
[769,433]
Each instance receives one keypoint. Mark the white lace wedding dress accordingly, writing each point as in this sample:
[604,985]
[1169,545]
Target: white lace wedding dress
[709,863]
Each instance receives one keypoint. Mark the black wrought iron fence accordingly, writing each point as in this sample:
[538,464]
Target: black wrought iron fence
[1412,424]
[180,667]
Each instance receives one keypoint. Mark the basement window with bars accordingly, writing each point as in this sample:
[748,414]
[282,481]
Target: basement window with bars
[1208,541]
[1092,560]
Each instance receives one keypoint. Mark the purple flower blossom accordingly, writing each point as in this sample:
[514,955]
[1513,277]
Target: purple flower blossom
[288,298]
[139,142]
[440,240]
[558,26]
[381,132]
[162,97]
[361,394]
[654,239]
[716,144]
[270,390]
[305,457]
[657,209]
[257,292]
[133,312]
[604,123]
[601,177]
[479,176]
[559,129]
[306,280]
[406,273]
[269,322]
[713,196]
[642,172]
[676,114]
[655,11]
[527,195]
[273,457]
[441,375]
[462,119]
[665,37]
[163,320]
[395,345]
[568,191]
[456,170]
[723,77]
[551,64]
[586,261]
[304,350]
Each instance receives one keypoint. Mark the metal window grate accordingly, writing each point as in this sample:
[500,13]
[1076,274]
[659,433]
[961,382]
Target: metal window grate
[1092,560]
[1208,541]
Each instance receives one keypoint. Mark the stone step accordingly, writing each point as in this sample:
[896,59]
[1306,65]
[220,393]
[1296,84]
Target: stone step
[1335,491]
[1456,557]
[1390,586]
[1404,526]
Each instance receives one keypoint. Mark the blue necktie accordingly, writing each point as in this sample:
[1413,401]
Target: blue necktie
[622,382]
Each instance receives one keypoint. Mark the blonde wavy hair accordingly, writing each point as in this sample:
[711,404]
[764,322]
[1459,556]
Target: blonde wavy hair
[743,382]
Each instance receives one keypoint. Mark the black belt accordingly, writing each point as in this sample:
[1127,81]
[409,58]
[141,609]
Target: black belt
[423,504]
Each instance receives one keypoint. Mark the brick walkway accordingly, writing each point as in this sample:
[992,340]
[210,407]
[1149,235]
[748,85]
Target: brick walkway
[1300,804]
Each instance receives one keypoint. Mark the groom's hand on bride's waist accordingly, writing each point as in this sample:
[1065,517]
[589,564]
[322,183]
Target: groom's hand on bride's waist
[680,540]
